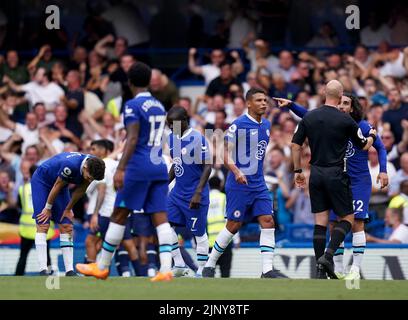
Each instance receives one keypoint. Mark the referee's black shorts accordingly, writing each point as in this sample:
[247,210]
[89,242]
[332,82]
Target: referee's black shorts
[330,188]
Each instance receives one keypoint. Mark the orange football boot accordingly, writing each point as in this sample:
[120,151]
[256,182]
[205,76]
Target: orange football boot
[162,276]
[91,269]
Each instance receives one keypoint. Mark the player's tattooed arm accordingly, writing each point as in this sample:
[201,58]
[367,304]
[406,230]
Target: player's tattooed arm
[130,146]
[46,212]
[196,199]
[172,174]
[230,164]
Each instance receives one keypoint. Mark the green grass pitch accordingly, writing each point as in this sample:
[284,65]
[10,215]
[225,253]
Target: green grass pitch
[188,288]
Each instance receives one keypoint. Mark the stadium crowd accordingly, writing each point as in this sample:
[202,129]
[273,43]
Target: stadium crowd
[50,105]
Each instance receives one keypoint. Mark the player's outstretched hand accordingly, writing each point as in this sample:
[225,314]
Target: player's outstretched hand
[282,102]
[300,180]
[44,216]
[67,214]
[195,201]
[383,179]
[118,179]
[240,178]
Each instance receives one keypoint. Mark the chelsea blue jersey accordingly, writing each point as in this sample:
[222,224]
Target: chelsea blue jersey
[249,139]
[67,165]
[146,162]
[189,153]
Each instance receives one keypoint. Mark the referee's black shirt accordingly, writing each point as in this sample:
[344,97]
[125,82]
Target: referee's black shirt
[328,130]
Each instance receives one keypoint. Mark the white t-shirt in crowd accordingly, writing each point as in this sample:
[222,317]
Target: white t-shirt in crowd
[369,37]
[401,234]
[110,195]
[5,133]
[394,68]
[210,72]
[50,94]
[30,136]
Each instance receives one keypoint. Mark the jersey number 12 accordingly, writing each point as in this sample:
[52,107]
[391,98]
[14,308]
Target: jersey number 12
[156,133]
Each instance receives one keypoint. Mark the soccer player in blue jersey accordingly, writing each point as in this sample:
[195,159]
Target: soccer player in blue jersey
[246,190]
[357,169]
[188,201]
[52,201]
[141,178]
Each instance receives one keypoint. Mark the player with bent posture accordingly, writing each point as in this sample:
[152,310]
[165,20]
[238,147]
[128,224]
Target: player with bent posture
[51,200]
[246,190]
[141,177]
[189,199]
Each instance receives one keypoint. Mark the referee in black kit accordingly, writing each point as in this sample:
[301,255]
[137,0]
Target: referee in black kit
[328,131]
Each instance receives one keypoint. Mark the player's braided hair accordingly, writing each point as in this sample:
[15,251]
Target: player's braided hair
[96,168]
[357,110]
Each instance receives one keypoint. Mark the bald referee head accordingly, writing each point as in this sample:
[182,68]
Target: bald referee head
[333,92]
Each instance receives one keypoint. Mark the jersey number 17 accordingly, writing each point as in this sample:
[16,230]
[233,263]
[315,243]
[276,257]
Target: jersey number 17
[156,133]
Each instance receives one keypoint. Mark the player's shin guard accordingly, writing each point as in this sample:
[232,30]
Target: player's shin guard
[202,252]
[41,248]
[319,240]
[175,251]
[221,242]
[165,236]
[338,259]
[113,238]
[359,244]
[67,248]
[339,233]
[267,246]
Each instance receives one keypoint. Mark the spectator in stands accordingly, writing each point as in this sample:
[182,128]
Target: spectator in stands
[8,212]
[13,69]
[28,132]
[401,175]
[397,111]
[282,89]
[103,48]
[43,117]
[74,101]
[61,124]
[79,57]
[163,89]
[41,89]
[221,84]
[259,54]
[209,71]
[401,201]
[286,66]
[43,59]
[393,218]
[375,32]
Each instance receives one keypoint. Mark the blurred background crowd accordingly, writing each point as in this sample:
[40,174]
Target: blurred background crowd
[61,89]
